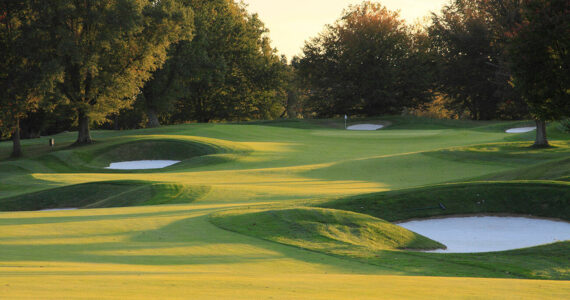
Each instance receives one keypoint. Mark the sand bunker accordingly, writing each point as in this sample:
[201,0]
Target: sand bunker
[57,209]
[142,164]
[486,234]
[520,130]
[365,127]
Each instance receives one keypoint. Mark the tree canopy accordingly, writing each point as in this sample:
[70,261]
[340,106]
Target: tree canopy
[26,68]
[365,63]
[538,48]
[107,49]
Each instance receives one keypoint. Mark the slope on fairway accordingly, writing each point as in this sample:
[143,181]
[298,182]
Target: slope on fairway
[170,251]
[105,194]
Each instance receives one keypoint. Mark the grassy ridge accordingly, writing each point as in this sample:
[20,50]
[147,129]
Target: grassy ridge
[319,229]
[376,242]
[104,194]
[544,199]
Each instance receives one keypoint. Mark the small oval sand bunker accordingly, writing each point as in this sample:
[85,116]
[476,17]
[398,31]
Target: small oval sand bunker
[141,164]
[520,130]
[487,234]
[365,127]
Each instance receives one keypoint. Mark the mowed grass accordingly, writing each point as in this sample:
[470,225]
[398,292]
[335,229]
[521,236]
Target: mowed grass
[339,231]
[172,250]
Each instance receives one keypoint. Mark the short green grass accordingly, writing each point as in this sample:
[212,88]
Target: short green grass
[171,249]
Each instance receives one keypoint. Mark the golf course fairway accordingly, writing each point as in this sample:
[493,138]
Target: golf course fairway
[278,210]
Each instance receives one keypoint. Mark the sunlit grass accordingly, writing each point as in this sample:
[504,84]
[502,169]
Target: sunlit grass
[174,251]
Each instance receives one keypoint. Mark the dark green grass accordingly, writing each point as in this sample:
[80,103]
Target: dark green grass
[94,158]
[553,170]
[104,194]
[509,154]
[543,199]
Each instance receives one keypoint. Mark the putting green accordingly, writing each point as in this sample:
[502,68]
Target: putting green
[173,250]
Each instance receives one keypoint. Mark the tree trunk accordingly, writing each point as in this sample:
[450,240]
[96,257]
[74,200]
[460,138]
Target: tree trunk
[116,122]
[292,100]
[16,144]
[84,136]
[152,118]
[541,140]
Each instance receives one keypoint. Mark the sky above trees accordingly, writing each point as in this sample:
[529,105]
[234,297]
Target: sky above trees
[292,22]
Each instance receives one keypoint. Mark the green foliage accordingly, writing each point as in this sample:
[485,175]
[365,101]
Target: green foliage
[107,49]
[369,62]
[538,46]
[472,67]
[25,67]
[565,125]
[227,72]
[539,58]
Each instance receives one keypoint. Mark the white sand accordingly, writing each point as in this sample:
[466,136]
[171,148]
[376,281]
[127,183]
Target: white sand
[520,130]
[365,127]
[141,164]
[486,234]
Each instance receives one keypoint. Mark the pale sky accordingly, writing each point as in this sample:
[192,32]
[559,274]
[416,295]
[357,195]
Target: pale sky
[292,22]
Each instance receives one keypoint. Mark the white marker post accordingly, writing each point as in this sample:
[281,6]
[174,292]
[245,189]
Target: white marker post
[345,118]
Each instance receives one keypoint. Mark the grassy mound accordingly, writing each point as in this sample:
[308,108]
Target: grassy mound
[543,199]
[191,151]
[152,150]
[376,242]
[335,231]
[104,194]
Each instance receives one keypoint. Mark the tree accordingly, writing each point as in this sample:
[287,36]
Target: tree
[107,49]
[365,63]
[24,67]
[228,71]
[160,93]
[472,64]
[538,49]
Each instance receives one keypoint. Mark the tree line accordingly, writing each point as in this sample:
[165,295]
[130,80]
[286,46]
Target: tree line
[477,59]
[126,64]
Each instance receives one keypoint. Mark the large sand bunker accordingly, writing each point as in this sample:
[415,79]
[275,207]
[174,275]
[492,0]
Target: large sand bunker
[486,234]
[365,127]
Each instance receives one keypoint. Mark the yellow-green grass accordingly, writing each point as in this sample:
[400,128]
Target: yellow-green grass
[169,251]
[174,252]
